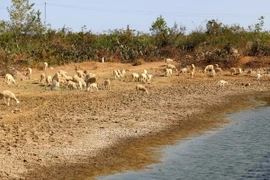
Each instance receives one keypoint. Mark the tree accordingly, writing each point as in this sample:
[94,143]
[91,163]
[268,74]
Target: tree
[160,30]
[24,19]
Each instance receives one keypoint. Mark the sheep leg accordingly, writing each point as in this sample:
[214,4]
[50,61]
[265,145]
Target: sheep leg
[8,100]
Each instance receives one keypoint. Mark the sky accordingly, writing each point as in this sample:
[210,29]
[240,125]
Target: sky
[102,15]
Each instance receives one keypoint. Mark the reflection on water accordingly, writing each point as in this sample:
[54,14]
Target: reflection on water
[240,150]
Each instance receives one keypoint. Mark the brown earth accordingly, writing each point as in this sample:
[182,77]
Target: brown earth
[65,134]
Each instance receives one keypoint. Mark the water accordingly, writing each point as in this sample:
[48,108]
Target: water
[239,150]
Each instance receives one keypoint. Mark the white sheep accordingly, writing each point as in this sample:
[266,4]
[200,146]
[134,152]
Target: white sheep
[149,77]
[235,71]
[42,77]
[49,80]
[107,84]
[72,85]
[208,68]
[116,74]
[45,66]
[212,73]
[143,77]
[9,79]
[92,86]
[140,87]
[7,96]
[29,73]
[193,67]
[135,76]
[183,71]
[223,83]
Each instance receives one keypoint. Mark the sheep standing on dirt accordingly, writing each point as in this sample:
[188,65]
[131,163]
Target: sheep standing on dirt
[192,72]
[208,68]
[140,87]
[116,74]
[235,71]
[7,96]
[135,77]
[9,79]
[107,84]
[212,73]
[92,86]
[149,77]
[49,80]
[143,77]
[42,77]
[45,66]
[72,85]
[29,73]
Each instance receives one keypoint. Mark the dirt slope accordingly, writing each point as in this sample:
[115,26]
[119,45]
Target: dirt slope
[65,134]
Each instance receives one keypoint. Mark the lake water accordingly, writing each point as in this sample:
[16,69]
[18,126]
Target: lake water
[239,150]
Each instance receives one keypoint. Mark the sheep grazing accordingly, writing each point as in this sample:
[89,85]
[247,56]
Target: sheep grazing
[149,77]
[135,76]
[7,96]
[235,71]
[92,86]
[107,84]
[208,68]
[91,80]
[116,74]
[143,77]
[45,66]
[119,74]
[42,77]
[223,83]
[140,87]
[49,80]
[9,79]
[212,73]
[29,73]
[72,85]
[183,71]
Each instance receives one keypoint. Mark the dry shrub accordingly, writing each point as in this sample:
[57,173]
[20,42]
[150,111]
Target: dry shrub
[138,62]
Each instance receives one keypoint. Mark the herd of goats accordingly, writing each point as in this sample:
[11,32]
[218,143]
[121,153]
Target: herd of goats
[89,81]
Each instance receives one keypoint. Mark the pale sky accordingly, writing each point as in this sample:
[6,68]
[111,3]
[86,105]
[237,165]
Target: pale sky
[103,15]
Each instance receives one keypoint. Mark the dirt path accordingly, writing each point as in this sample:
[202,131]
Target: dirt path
[74,134]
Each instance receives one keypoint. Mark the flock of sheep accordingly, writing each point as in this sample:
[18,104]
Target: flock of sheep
[82,79]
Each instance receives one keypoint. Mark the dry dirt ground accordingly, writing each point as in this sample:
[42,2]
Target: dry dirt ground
[74,134]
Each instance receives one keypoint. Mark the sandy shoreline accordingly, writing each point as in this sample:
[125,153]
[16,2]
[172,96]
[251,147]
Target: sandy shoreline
[74,135]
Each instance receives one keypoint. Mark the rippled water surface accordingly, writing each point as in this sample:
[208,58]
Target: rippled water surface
[239,150]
